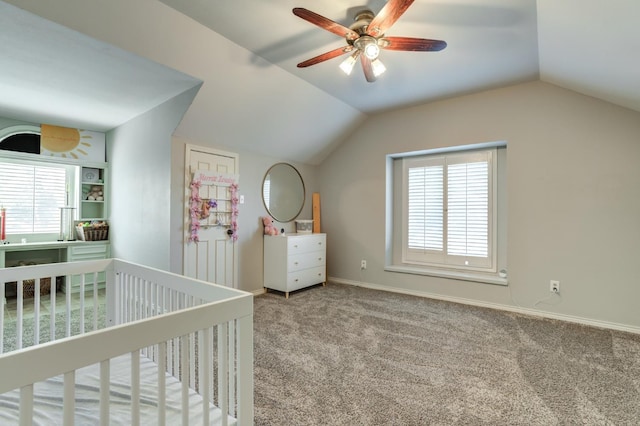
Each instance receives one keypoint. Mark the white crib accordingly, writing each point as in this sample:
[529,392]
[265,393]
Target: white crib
[166,350]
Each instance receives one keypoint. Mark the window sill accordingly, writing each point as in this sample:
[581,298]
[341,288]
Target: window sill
[454,275]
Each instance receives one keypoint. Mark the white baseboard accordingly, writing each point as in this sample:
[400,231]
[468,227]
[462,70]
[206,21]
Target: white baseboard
[259,291]
[472,302]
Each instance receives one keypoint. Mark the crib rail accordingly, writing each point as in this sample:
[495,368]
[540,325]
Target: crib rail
[181,323]
[144,292]
[86,273]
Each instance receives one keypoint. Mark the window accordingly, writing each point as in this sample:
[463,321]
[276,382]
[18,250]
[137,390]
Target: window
[447,209]
[266,191]
[32,188]
[444,208]
[32,195]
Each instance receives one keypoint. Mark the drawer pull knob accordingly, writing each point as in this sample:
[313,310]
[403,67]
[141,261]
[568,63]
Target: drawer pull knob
[295,263]
[296,280]
[320,259]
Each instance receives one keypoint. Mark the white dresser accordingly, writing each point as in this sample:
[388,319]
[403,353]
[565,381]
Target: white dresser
[294,261]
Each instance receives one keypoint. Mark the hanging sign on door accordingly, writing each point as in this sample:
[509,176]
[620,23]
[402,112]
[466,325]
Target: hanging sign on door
[207,177]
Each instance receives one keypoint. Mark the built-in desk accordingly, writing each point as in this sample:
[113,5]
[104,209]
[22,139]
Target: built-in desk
[53,252]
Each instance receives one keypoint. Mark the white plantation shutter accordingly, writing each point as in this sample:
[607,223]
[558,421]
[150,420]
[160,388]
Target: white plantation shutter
[448,210]
[468,209]
[425,209]
[266,192]
[33,196]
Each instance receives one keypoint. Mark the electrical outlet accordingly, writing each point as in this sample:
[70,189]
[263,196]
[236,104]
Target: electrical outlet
[363,264]
[554,286]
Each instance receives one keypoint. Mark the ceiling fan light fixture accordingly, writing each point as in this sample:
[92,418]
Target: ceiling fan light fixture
[348,64]
[372,51]
[367,37]
[368,45]
[378,67]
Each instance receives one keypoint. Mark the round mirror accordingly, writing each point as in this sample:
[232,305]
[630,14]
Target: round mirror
[283,192]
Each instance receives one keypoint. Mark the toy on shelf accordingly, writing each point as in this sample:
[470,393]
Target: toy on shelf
[95,230]
[95,193]
[269,228]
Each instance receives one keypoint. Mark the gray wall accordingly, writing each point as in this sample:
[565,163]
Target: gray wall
[573,202]
[139,155]
[7,122]
[252,169]
[573,198]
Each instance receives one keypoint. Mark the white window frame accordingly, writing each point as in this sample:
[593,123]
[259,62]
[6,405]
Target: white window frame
[493,271]
[17,129]
[16,157]
[443,257]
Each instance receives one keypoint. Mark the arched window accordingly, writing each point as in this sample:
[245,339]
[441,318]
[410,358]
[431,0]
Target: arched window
[20,138]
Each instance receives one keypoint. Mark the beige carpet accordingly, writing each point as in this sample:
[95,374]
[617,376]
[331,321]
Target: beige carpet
[343,355]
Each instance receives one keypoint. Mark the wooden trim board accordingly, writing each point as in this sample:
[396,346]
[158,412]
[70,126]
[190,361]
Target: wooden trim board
[316,212]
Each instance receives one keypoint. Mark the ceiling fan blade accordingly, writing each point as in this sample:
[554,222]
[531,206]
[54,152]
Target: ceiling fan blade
[325,23]
[325,56]
[412,44]
[368,69]
[387,16]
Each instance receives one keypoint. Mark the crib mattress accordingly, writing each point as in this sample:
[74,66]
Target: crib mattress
[48,398]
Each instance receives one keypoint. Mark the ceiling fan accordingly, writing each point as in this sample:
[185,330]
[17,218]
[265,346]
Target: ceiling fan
[365,38]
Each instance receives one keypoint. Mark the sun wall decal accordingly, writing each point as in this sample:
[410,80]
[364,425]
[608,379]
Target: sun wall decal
[64,141]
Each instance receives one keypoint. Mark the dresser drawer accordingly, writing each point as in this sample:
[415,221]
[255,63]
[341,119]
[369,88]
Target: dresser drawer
[305,261]
[306,277]
[305,244]
[87,252]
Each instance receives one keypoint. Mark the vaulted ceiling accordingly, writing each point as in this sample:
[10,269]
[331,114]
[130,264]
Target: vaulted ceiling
[139,52]
[52,74]
[490,43]
[585,45]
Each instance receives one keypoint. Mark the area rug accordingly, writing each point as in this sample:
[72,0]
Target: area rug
[10,328]
[344,355]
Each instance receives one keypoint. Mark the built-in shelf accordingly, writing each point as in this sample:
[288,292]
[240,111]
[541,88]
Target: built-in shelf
[93,193]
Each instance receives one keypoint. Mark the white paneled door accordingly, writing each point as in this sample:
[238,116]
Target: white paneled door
[213,257]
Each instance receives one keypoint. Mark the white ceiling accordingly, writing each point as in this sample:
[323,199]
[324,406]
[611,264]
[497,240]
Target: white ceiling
[103,62]
[590,46]
[52,74]
[480,35]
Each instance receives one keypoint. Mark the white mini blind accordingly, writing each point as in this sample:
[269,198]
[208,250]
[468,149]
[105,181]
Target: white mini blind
[33,196]
[448,208]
